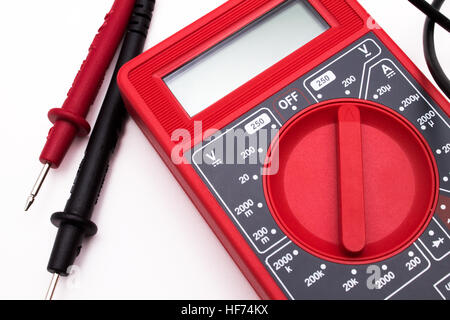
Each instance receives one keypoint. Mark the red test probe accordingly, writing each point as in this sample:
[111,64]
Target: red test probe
[69,120]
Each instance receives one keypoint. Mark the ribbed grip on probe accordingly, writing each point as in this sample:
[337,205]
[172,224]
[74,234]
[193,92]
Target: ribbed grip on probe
[140,19]
[69,120]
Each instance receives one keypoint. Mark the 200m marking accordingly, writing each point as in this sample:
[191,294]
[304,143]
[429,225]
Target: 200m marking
[261,235]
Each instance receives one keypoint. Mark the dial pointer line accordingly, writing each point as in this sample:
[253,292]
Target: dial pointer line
[351,180]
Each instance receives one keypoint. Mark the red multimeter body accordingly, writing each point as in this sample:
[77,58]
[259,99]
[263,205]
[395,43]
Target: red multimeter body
[350,198]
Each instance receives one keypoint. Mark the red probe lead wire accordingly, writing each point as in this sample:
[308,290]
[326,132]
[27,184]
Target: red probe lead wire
[69,120]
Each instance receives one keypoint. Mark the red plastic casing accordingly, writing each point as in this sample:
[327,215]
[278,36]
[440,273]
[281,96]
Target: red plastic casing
[158,113]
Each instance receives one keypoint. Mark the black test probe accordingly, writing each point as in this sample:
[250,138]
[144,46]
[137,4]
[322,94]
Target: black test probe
[75,222]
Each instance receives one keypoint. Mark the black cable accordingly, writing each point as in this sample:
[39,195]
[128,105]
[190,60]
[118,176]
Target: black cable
[75,222]
[430,52]
[432,12]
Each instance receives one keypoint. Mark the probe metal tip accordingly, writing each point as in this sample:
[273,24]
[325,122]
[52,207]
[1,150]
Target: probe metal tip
[52,287]
[37,186]
[29,202]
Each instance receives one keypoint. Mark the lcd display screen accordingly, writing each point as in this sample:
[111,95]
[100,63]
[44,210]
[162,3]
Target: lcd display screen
[247,53]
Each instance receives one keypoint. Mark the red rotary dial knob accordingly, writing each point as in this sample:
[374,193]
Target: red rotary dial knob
[351,181]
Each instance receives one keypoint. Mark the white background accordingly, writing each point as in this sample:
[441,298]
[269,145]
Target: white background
[152,243]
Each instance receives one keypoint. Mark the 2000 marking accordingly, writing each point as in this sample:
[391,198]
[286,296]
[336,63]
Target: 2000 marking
[384,280]
[244,208]
[280,263]
[426,118]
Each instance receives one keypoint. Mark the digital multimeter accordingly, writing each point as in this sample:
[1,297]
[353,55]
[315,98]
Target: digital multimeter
[313,147]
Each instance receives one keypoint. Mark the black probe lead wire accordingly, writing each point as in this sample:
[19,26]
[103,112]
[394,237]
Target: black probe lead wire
[430,52]
[432,11]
